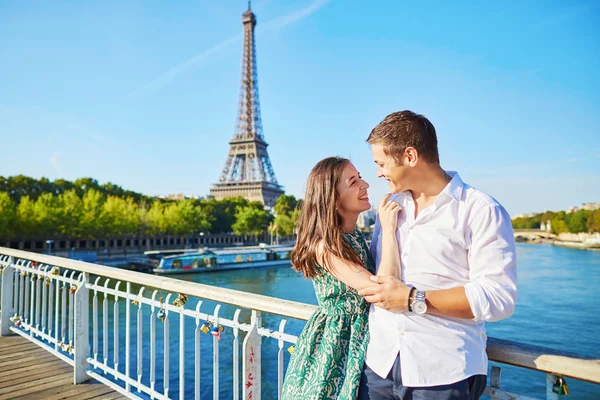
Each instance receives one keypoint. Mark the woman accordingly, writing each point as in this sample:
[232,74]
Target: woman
[329,354]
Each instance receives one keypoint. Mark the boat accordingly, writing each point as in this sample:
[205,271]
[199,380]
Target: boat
[205,260]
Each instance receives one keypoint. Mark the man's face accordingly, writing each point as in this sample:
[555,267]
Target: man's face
[388,169]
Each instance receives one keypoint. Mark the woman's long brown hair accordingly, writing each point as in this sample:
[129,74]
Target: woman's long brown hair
[319,225]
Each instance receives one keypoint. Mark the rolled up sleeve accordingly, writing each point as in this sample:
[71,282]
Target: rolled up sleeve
[492,290]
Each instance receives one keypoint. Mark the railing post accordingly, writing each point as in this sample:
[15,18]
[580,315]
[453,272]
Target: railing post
[6,299]
[252,359]
[82,330]
[495,382]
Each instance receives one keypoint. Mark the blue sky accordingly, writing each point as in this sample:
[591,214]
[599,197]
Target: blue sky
[144,94]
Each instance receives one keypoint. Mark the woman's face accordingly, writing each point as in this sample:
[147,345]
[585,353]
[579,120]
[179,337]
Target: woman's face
[352,192]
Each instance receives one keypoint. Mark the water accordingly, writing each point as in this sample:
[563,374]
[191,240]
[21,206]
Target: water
[557,307]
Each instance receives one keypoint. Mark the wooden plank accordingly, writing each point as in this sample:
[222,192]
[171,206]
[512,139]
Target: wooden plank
[14,379]
[17,394]
[7,341]
[50,377]
[28,371]
[82,391]
[8,365]
[21,353]
[111,396]
[25,369]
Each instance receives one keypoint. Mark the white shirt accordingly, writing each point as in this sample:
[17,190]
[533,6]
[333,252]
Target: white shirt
[464,239]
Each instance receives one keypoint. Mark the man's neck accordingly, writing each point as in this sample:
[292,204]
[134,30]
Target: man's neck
[432,183]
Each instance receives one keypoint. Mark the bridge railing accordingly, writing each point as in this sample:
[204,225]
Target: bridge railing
[75,310]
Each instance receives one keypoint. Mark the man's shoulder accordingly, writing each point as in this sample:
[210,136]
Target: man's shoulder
[475,199]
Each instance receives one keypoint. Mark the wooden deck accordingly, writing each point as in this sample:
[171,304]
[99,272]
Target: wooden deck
[29,372]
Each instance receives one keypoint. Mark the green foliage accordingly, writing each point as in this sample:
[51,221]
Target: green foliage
[577,222]
[285,205]
[559,226]
[561,222]
[593,222]
[284,225]
[8,216]
[26,218]
[37,209]
[251,219]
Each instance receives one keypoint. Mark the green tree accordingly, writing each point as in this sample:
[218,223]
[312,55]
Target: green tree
[155,219]
[71,211]
[223,212]
[120,216]
[250,220]
[558,225]
[285,205]
[48,214]
[577,221]
[593,222]
[8,216]
[284,225]
[92,218]
[27,222]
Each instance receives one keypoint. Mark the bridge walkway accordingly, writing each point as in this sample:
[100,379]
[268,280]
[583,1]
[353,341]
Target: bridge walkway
[28,372]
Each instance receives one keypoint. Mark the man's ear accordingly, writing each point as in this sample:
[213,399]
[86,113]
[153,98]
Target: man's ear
[411,156]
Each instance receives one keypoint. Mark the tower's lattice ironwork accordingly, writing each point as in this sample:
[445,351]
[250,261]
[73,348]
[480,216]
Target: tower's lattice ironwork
[248,171]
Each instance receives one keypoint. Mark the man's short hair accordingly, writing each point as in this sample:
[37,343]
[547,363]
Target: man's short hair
[403,129]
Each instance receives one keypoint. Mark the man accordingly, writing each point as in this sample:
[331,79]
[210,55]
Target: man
[458,270]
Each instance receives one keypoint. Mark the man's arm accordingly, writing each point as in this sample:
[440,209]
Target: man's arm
[492,290]
[491,294]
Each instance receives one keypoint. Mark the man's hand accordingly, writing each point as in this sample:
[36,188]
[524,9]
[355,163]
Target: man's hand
[391,294]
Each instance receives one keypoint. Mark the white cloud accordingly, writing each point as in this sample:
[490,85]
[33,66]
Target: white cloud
[195,61]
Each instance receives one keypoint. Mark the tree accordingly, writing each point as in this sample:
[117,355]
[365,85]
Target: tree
[577,221]
[26,217]
[71,211]
[284,225]
[558,225]
[250,220]
[8,216]
[593,222]
[121,216]
[156,222]
[285,205]
[91,220]
[223,212]
[48,214]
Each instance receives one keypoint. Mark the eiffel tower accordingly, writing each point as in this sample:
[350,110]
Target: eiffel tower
[248,172]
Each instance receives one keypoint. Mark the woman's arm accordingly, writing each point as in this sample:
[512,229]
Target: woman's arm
[389,264]
[353,275]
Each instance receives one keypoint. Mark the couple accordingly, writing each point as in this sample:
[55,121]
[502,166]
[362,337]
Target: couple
[405,318]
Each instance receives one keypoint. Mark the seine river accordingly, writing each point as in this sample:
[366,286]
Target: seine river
[558,306]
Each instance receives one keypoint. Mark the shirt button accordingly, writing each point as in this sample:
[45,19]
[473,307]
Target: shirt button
[405,254]
[401,333]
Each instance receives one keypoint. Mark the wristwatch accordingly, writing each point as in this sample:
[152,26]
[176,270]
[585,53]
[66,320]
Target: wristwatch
[419,305]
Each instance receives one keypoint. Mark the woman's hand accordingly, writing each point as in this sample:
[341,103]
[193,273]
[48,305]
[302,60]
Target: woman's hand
[388,214]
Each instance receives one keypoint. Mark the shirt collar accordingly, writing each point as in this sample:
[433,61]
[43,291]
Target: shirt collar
[454,188]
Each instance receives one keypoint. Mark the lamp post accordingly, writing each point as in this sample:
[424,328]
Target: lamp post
[49,242]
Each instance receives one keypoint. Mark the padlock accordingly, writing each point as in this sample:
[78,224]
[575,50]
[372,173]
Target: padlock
[560,386]
[161,315]
[291,349]
[205,327]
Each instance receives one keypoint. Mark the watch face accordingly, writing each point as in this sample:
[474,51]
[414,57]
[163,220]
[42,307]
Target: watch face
[419,307]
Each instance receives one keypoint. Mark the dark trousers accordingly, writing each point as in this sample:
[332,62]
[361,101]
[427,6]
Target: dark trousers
[373,387]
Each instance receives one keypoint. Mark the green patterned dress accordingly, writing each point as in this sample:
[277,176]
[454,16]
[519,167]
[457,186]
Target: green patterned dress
[329,356]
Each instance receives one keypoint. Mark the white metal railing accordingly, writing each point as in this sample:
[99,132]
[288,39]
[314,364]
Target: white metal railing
[49,300]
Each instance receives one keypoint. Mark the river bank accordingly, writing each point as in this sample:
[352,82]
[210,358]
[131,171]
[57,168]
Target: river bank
[571,240]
